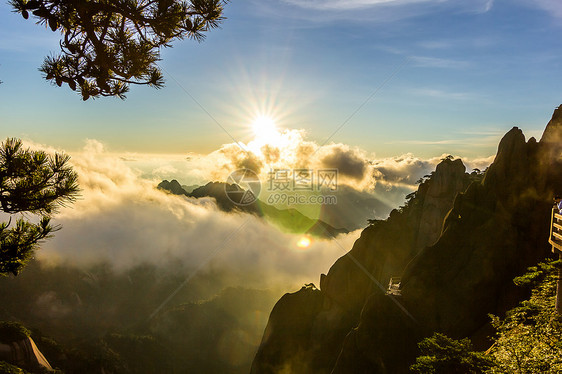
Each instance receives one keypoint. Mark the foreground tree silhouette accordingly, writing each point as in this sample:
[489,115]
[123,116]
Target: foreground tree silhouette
[109,44]
[31,183]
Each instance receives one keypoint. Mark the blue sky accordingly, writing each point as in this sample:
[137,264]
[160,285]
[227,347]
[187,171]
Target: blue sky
[448,76]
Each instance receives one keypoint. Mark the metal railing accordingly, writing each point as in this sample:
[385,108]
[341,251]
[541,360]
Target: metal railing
[555,238]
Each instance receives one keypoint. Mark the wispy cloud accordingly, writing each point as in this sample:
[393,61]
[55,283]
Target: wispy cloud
[351,4]
[436,44]
[553,7]
[372,11]
[436,62]
[465,42]
[474,6]
[465,140]
[428,142]
[484,132]
[442,94]
[488,6]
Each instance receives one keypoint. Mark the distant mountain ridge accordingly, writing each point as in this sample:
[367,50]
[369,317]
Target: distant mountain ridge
[290,220]
[352,211]
[457,244]
[173,187]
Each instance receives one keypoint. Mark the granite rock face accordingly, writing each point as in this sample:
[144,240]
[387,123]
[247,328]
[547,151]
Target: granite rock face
[383,250]
[448,180]
[25,354]
[457,245]
[289,333]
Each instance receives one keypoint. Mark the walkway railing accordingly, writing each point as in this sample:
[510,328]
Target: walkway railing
[555,238]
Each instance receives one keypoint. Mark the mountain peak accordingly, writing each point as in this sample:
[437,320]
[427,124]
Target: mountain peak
[173,187]
[491,233]
[553,131]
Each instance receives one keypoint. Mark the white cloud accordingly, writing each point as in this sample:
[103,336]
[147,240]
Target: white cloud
[406,170]
[123,220]
[478,163]
[402,170]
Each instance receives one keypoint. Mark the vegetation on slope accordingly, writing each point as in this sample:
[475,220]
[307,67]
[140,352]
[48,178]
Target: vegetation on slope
[529,338]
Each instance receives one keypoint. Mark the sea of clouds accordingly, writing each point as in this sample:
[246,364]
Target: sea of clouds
[122,219]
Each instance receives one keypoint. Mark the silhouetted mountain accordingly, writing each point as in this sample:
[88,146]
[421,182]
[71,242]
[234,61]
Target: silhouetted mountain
[457,253]
[351,212]
[173,187]
[229,198]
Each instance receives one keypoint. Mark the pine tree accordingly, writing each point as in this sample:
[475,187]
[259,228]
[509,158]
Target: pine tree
[33,185]
[529,338]
[443,355]
[107,45]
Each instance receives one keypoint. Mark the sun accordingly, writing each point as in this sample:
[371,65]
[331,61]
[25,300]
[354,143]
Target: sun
[304,242]
[265,130]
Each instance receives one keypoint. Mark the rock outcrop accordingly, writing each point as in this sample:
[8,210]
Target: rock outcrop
[25,354]
[448,180]
[457,264]
[383,250]
[289,333]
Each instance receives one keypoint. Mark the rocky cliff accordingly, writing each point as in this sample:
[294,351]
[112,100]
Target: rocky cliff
[457,245]
[382,251]
[18,348]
